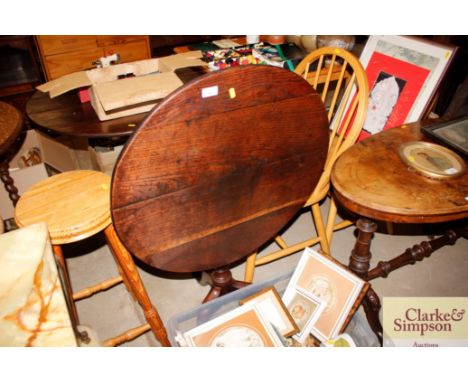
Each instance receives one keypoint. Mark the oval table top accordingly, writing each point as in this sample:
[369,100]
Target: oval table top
[370,179]
[219,167]
[11,123]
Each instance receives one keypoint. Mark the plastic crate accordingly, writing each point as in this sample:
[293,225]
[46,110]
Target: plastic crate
[358,328]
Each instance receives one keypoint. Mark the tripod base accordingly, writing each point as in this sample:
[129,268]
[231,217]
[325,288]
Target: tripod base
[221,282]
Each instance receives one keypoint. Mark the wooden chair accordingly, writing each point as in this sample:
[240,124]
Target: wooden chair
[75,206]
[217,169]
[340,79]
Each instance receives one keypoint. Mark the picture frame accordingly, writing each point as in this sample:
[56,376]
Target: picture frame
[272,308]
[404,74]
[325,278]
[241,327]
[305,308]
[452,134]
[431,160]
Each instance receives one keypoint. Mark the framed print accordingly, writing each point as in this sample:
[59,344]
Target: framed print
[305,309]
[453,134]
[431,160]
[272,308]
[404,74]
[340,289]
[240,327]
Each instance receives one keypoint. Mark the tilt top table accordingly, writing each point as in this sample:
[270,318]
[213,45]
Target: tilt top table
[371,180]
[217,169]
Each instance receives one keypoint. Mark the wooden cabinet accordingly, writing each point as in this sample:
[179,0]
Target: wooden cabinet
[61,55]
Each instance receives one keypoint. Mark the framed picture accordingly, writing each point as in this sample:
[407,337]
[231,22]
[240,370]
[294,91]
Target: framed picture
[453,134]
[340,289]
[240,327]
[272,308]
[404,74]
[305,308]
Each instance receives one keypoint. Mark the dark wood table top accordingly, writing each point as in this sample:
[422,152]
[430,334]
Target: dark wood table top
[371,180]
[206,180]
[66,115]
[11,123]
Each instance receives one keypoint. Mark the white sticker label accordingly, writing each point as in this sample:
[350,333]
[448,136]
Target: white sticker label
[451,171]
[209,92]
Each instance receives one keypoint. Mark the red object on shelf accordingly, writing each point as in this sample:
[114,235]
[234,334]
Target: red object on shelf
[84,95]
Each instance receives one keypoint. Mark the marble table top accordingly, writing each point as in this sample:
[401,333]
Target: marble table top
[33,311]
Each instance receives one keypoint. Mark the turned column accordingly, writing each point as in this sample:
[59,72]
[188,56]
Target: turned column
[359,263]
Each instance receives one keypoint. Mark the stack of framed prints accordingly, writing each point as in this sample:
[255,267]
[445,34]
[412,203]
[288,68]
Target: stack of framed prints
[319,300]
[262,320]
[333,290]
[242,327]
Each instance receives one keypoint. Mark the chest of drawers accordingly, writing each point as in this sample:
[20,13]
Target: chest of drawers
[61,55]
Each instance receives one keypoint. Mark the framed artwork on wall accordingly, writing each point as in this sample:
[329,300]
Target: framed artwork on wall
[404,74]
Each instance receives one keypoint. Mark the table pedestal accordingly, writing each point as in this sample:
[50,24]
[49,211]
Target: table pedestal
[360,257]
[222,282]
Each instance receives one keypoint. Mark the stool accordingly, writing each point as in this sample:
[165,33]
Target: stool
[75,206]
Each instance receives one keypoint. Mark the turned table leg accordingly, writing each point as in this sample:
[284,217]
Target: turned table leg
[359,263]
[8,182]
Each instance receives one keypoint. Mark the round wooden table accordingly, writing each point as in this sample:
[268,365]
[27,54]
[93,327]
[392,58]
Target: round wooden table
[66,115]
[218,168]
[11,122]
[371,180]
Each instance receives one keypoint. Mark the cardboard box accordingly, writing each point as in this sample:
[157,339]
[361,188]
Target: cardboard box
[23,179]
[125,89]
[41,156]
[61,153]
[106,157]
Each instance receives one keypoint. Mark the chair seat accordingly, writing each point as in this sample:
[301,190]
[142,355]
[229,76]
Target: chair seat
[74,204]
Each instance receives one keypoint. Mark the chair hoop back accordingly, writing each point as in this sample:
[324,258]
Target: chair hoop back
[339,78]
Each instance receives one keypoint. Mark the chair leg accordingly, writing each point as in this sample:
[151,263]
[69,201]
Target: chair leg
[125,261]
[318,220]
[279,240]
[332,211]
[250,268]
